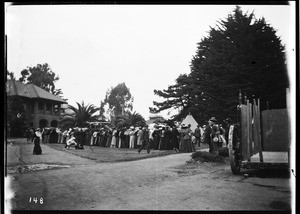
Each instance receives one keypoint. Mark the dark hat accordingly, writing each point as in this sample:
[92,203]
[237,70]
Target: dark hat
[229,120]
[213,119]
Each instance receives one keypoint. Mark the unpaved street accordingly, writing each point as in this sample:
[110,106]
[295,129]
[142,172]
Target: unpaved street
[162,183]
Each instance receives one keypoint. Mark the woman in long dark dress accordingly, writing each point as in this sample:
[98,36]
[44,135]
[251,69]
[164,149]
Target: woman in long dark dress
[186,142]
[37,150]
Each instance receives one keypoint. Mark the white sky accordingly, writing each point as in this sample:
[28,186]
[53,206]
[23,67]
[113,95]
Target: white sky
[95,47]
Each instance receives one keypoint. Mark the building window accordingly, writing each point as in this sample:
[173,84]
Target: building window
[56,108]
[48,107]
[41,106]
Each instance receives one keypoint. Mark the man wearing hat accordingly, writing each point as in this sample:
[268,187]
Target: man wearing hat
[228,121]
[145,139]
[208,133]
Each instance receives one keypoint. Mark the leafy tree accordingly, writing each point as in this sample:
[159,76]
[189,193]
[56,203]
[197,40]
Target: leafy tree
[80,116]
[241,52]
[118,98]
[130,119]
[42,76]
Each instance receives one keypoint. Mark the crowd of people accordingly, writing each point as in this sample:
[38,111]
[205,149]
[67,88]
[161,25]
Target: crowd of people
[159,137]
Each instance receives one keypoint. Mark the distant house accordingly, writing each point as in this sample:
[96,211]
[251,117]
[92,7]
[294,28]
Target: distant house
[155,119]
[42,108]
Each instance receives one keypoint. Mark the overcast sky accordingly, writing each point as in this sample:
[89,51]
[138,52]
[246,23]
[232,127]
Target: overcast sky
[95,47]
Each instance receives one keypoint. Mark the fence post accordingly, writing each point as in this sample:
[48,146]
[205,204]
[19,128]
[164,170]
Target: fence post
[259,132]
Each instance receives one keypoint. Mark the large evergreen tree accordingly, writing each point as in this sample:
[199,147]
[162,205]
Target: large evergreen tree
[240,53]
[118,98]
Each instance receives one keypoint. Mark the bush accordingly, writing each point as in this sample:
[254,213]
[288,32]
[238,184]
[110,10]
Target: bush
[206,157]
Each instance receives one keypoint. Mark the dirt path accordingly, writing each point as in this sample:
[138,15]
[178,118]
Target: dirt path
[162,183]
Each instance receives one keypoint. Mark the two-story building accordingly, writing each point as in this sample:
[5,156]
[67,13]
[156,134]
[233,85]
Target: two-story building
[42,108]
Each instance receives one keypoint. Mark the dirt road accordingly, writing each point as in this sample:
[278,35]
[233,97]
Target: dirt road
[162,183]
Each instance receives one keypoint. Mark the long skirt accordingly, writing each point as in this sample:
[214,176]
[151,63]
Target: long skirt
[120,143]
[156,143]
[108,142]
[117,142]
[131,143]
[113,142]
[37,150]
[186,145]
[190,146]
[162,144]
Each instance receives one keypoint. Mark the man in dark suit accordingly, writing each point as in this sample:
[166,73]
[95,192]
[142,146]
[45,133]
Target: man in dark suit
[145,140]
[197,134]
[209,131]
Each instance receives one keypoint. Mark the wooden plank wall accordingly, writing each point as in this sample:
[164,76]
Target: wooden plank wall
[250,131]
[245,132]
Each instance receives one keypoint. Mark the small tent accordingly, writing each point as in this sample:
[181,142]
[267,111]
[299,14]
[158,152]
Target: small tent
[189,119]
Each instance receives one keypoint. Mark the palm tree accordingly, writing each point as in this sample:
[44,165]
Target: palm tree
[79,117]
[130,119]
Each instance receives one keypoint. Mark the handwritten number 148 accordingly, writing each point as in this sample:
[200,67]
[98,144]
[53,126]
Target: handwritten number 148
[35,200]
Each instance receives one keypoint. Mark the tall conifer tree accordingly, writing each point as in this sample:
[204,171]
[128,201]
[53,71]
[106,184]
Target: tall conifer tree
[241,52]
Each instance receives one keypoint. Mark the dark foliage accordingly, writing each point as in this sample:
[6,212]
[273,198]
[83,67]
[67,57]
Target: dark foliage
[42,76]
[240,53]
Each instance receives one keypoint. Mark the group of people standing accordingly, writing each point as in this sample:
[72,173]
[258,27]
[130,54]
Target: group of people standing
[181,139]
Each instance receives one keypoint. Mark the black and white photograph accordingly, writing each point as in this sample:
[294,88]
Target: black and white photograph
[150,107]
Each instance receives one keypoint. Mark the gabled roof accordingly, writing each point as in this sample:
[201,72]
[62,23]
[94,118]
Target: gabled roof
[29,91]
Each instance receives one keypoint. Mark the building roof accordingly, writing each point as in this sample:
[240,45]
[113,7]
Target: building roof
[30,91]
[152,119]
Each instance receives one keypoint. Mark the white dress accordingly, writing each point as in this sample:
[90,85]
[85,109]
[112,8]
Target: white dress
[114,139]
[131,142]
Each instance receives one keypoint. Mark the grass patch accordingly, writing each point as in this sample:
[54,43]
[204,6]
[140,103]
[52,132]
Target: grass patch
[104,154]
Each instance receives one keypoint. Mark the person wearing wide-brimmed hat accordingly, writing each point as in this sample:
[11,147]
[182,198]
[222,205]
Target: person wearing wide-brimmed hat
[207,138]
[156,136]
[114,138]
[228,121]
[145,139]
[186,139]
[37,150]
[132,137]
